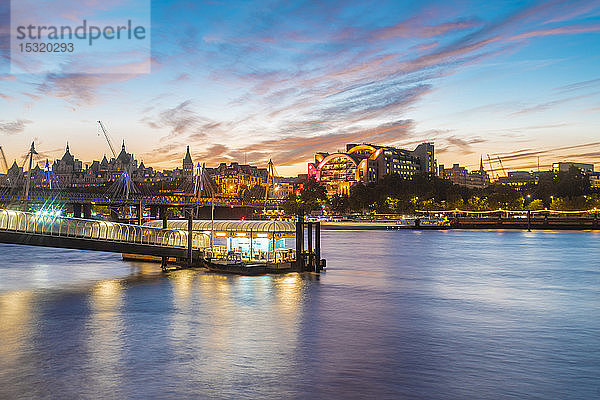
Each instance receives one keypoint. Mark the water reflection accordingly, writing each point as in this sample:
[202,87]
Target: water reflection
[104,337]
[16,320]
[399,315]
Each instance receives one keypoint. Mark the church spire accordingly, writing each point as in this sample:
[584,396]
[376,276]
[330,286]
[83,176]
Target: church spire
[481,164]
[123,145]
[188,157]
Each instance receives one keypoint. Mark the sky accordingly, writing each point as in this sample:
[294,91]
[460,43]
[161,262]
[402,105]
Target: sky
[252,81]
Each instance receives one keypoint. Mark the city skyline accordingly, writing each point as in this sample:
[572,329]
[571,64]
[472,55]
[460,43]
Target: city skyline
[284,81]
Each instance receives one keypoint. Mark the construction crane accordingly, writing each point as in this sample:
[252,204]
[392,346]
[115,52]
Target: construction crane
[4,163]
[30,155]
[112,149]
[125,179]
[491,166]
[501,166]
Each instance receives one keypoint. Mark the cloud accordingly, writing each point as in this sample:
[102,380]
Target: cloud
[582,85]
[183,122]
[295,149]
[414,28]
[551,104]
[79,89]
[465,145]
[562,30]
[13,127]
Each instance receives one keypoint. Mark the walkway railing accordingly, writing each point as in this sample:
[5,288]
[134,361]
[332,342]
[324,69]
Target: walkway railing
[25,222]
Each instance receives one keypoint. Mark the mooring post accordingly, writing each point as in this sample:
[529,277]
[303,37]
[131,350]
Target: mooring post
[300,242]
[309,246]
[528,220]
[190,224]
[318,246]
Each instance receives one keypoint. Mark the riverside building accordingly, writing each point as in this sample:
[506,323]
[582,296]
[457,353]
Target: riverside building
[368,163]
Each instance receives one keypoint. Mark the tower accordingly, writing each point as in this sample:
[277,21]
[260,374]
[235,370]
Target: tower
[188,165]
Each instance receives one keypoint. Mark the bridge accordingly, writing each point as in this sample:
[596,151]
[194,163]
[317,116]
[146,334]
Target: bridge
[81,203]
[72,197]
[18,227]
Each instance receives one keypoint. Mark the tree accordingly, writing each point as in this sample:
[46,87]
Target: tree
[312,196]
[339,203]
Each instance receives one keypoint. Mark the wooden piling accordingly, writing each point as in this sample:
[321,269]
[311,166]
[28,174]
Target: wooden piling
[318,246]
[309,249]
[300,242]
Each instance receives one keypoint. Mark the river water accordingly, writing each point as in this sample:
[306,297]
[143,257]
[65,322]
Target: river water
[398,314]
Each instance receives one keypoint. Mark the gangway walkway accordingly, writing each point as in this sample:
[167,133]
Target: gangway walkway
[20,227]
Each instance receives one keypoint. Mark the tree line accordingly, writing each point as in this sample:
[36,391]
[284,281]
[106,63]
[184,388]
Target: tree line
[397,194]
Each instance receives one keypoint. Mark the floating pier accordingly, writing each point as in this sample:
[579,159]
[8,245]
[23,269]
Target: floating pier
[227,246]
[251,247]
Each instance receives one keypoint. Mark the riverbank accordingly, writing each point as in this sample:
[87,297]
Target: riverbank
[553,223]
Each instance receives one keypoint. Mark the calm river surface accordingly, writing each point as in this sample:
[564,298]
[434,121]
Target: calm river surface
[399,314]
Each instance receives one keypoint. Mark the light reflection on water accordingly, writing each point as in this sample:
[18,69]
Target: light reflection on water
[457,314]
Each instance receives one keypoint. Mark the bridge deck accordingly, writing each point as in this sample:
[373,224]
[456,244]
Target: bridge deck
[20,227]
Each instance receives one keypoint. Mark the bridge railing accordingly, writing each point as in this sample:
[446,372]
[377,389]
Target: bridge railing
[24,222]
[65,196]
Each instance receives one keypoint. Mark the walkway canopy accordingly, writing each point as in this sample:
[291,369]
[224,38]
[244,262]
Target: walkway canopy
[281,227]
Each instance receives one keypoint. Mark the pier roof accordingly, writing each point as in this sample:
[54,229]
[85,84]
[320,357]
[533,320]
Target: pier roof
[229,225]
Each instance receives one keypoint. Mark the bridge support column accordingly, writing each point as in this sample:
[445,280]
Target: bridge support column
[114,214]
[153,212]
[87,211]
[76,210]
[138,212]
[163,216]
[190,241]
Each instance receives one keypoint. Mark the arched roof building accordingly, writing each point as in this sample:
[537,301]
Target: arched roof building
[368,163]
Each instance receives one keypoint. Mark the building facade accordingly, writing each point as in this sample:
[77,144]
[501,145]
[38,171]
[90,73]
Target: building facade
[70,172]
[368,163]
[234,179]
[519,178]
[566,166]
[460,176]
